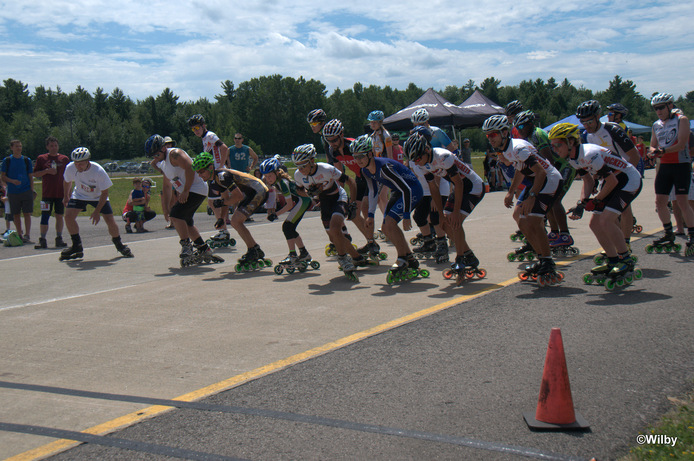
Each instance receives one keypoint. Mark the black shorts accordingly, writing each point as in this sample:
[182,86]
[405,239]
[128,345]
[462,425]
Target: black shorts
[50,205]
[330,205]
[362,188]
[678,175]
[82,205]
[185,211]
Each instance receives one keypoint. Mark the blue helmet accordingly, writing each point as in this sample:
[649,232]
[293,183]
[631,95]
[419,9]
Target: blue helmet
[269,165]
[153,145]
[376,116]
[424,131]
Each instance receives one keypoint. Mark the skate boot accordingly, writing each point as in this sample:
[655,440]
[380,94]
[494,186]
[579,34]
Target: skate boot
[253,260]
[472,266]
[529,271]
[290,264]
[305,261]
[562,246]
[600,258]
[689,250]
[598,274]
[74,252]
[128,229]
[456,270]
[517,236]
[372,251]
[426,249]
[524,253]
[441,253]
[221,239]
[547,273]
[204,254]
[125,251]
[405,268]
[666,244]
[346,265]
[623,274]
[187,255]
[59,242]
[42,244]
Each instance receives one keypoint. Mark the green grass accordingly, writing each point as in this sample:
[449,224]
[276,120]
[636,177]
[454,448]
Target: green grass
[677,423]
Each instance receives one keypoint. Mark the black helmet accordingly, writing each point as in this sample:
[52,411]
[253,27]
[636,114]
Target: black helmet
[316,115]
[153,145]
[415,146]
[618,108]
[588,109]
[196,120]
[513,107]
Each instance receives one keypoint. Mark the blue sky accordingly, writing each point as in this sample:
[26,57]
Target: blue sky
[192,46]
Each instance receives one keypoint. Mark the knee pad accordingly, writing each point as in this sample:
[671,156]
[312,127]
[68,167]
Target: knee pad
[289,230]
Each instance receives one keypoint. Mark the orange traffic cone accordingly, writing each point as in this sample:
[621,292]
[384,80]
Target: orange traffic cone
[555,408]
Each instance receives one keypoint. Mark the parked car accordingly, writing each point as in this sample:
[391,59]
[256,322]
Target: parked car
[125,166]
[145,168]
[111,167]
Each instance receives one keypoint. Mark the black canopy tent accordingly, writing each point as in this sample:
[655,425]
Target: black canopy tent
[478,108]
[441,112]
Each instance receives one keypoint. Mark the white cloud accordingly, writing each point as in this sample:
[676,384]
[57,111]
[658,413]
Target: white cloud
[191,47]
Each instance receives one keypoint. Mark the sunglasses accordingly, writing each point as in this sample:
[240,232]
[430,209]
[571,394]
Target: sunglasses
[660,107]
[196,127]
[521,126]
[557,145]
[493,134]
[359,156]
[315,123]
[333,140]
[240,139]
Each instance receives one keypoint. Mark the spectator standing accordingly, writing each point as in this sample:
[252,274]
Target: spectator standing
[17,174]
[50,167]
[465,152]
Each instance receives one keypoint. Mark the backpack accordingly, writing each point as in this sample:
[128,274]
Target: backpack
[12,239]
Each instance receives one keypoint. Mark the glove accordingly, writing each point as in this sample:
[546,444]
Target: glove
[595,205]
[271,217]
[218,203]
[577,211]
[219,223]
[351,211]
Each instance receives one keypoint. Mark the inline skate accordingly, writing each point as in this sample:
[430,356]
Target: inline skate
[623,273]
[601,257]
[562,246]
[73,252]
[124,250]
[689,249]
[404,269]
[293,262]
[59,243]
[253,260]
[187,255]
[203,254]
[666,244]
[547,273]
[418,239]
[524,253]
[464,267]
[636,228]
[518,236]
[598,274]
[372,251]
[221,239]
[346,265]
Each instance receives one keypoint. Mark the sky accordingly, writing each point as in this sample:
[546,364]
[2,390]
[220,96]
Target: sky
[143,47]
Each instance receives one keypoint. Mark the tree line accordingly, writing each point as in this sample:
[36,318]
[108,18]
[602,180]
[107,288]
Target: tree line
[270,111]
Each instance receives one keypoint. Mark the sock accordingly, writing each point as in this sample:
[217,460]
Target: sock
[76,240]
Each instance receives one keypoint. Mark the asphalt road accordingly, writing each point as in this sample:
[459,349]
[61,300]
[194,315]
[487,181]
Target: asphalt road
[314,367]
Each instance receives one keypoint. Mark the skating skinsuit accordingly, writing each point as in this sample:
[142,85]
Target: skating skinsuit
[397,177]
[444,164]
[523,156]
[601,162]
[211,143]
[667,133]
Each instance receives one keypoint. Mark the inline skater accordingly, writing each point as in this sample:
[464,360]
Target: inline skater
[340,157]
[220,152]
[321,180]
[546,181]
[468,192]
[613,137]
[616,114]
[91,188]
[177,169]
[622,184]
[243,191]
[296,205]
[560,240]
[405,194]
[426,217]
[670,144]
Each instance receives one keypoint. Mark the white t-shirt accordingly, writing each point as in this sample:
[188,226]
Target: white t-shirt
[88,184]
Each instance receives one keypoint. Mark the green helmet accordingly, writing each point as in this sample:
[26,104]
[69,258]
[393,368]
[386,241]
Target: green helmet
[362,144]
[202,161]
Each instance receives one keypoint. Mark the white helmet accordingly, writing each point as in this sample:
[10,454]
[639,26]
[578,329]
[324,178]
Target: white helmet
[303,153]
[496,123]
[662,98]
[81,153]
[419,116]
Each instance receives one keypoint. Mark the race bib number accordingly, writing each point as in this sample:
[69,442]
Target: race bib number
[45,206]
[88,188]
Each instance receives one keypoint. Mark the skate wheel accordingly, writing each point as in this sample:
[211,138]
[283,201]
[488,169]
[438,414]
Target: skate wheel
[481,273]
[315,264]
[560,276]
[620,282]
[629,279]
[659,249]
[638,274]
[638,229]
[238,268]
[303,267]
[649,249]
[677,248]
[469,274]
[609,284]
[588,279]
[424,273]
[523,276]
[541,281]
[598,260]
[447,274]
[278,270]
[512,257]
[290,270]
